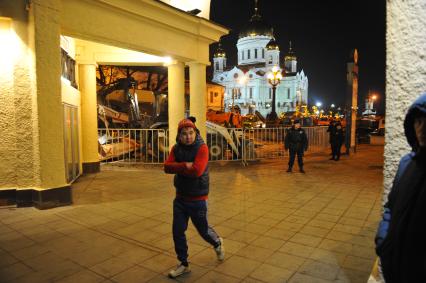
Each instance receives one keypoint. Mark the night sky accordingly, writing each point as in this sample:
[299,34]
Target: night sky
[322,35]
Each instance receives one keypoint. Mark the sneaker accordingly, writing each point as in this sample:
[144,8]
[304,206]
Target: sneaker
[289,170]
[180,269]
[220,250]
[302,171]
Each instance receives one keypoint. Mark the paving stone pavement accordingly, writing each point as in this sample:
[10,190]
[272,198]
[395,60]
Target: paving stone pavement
[277,226]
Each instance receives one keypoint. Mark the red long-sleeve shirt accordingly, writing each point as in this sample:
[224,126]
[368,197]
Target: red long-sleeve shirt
[197,168]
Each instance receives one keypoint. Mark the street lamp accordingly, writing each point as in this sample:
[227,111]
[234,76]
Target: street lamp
[318,104]
[274,78]
[332,106]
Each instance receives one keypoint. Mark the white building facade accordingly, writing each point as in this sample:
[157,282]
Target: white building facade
[246,85]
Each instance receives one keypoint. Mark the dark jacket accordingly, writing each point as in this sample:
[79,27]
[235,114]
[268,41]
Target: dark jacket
[336,133]
[188,185]
[296,140]
[401,235]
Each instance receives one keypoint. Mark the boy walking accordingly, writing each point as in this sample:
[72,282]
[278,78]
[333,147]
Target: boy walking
[188,160]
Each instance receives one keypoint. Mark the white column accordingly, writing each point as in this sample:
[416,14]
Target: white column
[197,90]
[176,98]
[89,119]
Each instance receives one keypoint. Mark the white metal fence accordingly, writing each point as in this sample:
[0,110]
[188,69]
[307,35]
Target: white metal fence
[151,146]
[269,142]
[133,145]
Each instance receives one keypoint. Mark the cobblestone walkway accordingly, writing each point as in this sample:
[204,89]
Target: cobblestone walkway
[277,227]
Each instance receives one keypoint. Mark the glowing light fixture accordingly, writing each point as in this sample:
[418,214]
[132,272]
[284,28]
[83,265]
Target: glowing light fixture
[9,49]
[167,60]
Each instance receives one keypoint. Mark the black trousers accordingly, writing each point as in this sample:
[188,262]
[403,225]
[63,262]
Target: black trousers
[293,154]
[335,149]
[197,211]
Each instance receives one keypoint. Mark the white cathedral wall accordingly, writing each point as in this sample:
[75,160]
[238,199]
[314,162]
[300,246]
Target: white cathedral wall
[252,43]
[261,90]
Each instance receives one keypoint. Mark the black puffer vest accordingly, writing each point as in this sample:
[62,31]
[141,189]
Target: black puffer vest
[190,186]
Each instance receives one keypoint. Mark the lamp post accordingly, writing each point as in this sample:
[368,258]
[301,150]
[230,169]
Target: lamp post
[274,78]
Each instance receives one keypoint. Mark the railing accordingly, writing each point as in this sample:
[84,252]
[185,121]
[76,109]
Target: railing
[133,145]
[151,146]
[225,145]
[264,143]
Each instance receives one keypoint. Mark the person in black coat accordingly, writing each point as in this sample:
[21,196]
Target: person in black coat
[336,139]
[401,235]
[296,142]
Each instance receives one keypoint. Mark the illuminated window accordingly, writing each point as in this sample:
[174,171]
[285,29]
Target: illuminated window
[211,97]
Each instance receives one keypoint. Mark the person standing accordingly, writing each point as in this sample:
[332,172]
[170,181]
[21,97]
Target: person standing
[336,140]
[400,238]
[296,142]
[331,129]
[188,160]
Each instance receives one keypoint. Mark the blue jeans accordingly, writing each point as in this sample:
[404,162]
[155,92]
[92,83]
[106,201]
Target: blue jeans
[197,211]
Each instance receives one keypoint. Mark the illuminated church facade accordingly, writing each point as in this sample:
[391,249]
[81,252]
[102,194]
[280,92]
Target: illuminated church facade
[246,85]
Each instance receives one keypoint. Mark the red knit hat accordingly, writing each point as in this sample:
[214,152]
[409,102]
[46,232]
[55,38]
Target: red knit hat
[186,123]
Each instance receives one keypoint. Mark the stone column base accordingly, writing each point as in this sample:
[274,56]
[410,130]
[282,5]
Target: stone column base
[44,199]
[91,167]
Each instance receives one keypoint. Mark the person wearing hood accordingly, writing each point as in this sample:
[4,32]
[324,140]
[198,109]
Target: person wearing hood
[401,235]
[296,142]
[188,160]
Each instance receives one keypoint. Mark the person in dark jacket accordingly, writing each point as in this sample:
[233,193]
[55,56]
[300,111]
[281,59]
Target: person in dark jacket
[188,160]
[330,130]
[296,142]
[401,235]
[336,140]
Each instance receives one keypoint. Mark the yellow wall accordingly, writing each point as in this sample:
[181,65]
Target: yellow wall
[32,153]
[217,103]
[152,27]
[18,112]
[31,91]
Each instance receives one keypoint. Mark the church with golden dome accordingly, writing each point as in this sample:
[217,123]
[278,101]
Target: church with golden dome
[246,85]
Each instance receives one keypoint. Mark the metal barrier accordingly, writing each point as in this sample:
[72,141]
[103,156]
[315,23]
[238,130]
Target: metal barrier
[133,145]
[264,143]
[151,146]
[225,145]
